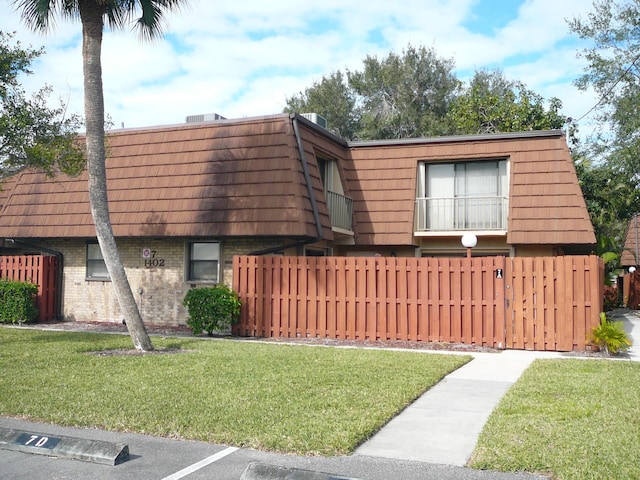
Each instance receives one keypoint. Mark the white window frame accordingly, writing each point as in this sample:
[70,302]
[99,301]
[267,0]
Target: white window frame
[191,262]
[448,211]
[95,268]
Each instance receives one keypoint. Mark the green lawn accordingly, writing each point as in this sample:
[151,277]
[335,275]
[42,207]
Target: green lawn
[579,419]
[298,399]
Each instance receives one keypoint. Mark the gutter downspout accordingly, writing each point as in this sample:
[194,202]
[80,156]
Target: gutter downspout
[59,272]
[312,198]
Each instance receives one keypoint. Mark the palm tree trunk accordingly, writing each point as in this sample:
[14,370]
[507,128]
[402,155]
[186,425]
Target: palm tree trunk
[92,27]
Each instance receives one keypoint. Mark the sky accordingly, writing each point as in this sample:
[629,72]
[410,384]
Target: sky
[243,58]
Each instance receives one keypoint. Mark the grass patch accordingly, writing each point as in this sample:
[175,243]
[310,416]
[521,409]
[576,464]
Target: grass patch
[284,398]
[579,419]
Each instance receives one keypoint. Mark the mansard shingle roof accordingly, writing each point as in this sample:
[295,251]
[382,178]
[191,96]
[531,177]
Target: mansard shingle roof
[224,178]
[546,205]
[246,177]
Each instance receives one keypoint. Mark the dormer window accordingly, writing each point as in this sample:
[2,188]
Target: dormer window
[340,206]
[462,196]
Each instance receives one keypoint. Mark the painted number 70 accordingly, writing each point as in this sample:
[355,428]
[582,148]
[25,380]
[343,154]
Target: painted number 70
[41,441]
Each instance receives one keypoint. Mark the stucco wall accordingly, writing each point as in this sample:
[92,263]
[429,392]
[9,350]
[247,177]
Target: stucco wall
[158,288]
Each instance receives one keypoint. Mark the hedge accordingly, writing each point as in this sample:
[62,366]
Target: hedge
[17,301]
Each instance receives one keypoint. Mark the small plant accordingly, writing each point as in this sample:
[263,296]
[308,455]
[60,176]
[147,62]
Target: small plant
[17,301]
[611,300]
[212,308]
[610,336]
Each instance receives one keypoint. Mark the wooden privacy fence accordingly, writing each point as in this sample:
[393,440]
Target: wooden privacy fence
[542,303]
[631,290]
[38,269]
[553,302]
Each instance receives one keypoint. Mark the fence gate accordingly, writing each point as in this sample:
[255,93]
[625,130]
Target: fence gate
[552,302]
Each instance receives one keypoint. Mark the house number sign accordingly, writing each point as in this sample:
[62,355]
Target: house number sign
[150,259]
[39,441]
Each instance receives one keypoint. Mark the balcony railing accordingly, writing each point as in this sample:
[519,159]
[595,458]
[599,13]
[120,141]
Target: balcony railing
[461,213]
[340,210]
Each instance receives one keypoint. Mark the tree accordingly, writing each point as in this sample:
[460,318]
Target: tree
[38,15]
[611,178]
[492,104]
[405,95]
[416,94]
[31,133]
[334,100]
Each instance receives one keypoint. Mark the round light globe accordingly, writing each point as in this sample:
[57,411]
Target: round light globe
[632,269]
[469,240]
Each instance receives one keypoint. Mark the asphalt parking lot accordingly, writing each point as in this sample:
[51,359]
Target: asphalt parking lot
[153,458]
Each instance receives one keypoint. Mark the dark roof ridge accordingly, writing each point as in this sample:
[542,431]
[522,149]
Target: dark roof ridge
[203,124]
[458,138]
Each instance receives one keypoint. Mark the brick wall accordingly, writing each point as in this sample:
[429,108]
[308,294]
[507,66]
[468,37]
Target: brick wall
[158,289]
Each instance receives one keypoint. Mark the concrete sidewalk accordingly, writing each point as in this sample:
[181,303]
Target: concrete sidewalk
[442,426]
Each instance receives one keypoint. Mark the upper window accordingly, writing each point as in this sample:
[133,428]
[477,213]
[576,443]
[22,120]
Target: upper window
[462,196]
[96,268]
[340,206]
[204,261]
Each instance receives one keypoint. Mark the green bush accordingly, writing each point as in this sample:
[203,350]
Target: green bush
[17,301]
[610,336]
[212,308]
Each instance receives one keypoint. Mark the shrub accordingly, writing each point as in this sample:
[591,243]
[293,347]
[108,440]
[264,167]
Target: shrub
[611,299]
[17,301]
[212,308]
[610,336]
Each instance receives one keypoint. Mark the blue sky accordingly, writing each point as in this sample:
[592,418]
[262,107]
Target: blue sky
[243,58]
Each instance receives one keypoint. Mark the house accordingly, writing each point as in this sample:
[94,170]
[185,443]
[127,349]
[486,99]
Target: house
[630,251]
[185,199]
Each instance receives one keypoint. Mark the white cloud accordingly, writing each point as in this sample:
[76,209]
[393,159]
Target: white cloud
[243,58]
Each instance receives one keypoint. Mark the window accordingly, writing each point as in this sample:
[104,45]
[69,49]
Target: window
[317,252]
[96,268]
[463,196]
[340,206]
[204,261]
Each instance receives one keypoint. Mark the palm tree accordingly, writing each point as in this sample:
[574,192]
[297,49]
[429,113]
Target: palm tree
[39,15]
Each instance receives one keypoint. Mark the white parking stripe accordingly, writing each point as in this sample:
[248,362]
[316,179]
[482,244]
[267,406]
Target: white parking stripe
[203,463]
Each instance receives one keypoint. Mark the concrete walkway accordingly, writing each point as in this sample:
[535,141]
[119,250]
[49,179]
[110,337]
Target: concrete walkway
[442,426]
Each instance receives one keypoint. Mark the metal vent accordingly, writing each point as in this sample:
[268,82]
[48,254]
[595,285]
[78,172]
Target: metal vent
[315,118]
[207,117]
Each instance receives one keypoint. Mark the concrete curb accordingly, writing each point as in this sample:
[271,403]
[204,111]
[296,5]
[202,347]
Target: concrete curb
[263,471]
[67,447]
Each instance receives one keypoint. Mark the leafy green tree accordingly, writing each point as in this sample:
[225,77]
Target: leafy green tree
[402,95]
[492,104]
[611,180]
[334,100]
[416,94]
[93,14]
[31,133]
[405,95]
[611,200]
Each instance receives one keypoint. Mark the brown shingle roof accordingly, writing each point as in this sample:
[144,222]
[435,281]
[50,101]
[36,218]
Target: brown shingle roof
[245,178]
[236,178]
[546,203]
[631,243]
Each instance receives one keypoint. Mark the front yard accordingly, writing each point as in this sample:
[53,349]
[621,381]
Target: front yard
[297,399]
[579,419]
[569,418]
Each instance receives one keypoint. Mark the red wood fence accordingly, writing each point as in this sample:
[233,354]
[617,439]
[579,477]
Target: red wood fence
[38,269]
[553,301]
[631,290]
[543,304]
